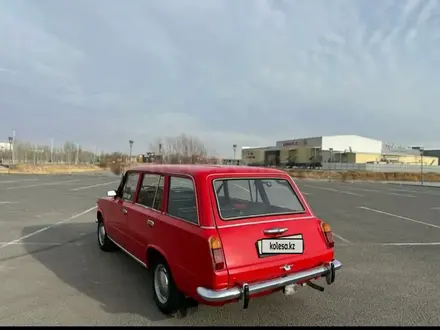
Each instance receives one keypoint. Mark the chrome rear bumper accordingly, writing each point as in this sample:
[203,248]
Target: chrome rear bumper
[237,292]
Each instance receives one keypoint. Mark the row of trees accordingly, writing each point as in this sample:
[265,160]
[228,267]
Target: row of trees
[28,153]
[182,149]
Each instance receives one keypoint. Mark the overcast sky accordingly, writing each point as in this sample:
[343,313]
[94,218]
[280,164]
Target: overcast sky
[101,72]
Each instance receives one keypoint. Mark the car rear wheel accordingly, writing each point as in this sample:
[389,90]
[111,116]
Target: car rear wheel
[104,242]
[167,296]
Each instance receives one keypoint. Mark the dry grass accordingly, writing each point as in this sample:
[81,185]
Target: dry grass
[364,176]
[53,169]
[118,168]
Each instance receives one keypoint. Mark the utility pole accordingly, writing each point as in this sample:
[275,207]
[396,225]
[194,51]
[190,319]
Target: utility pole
[234,148]
[421,150]
[13,147]
[35,154]
[77,154]
[330,167]
[130,142]
[94,154]
[10,149]
[51,150]
[421,165]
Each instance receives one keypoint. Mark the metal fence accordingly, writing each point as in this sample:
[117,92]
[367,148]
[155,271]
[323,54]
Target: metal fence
[403,168]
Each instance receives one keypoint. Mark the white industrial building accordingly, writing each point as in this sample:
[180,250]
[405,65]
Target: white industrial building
[339,143]
[5,146]
[315,151]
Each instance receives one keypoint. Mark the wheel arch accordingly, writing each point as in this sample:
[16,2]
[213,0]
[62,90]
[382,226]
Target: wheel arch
[153,254]
[99,216]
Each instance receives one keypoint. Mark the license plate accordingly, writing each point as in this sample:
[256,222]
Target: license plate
[284,245]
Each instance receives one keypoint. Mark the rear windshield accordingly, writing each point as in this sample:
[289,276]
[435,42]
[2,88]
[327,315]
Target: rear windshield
[244,198]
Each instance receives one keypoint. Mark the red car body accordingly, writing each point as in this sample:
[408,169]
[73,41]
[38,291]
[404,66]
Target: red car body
[203,243]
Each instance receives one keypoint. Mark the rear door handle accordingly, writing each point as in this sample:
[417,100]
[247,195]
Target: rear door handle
[275,230]
[124,211]
[150,222]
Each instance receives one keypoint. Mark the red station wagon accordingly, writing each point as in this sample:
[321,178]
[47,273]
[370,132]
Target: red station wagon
[216,234]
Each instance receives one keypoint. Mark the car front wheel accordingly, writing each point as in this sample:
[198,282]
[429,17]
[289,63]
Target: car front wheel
[104,242]
[166,295]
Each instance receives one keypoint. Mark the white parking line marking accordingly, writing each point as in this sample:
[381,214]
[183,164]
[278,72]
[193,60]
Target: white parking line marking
[14,181]
[242,188]
[3,203]
[306,193]
[389,244]
[336,190]
[399,217]
[397,194]
[411,191]
[415,191]
[382,192]
[435,208]
[95,185]
[409,244]
[341,238]
[47,227]
[32,243]
[42,184]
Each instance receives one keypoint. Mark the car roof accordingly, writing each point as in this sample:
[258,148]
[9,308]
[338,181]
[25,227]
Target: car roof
[204,170]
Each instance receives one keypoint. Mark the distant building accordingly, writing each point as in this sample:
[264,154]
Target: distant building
[432,153]
[228,161]
[5,146]
[314,151]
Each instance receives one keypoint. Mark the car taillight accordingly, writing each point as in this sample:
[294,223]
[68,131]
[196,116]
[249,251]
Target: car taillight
[327,231]
[217,253]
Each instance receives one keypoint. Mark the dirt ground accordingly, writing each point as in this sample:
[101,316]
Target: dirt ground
[367,176]
[305,174]
[52,169]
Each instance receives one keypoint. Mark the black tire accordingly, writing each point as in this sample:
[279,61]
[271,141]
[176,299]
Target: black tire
[175,299]
[105,244]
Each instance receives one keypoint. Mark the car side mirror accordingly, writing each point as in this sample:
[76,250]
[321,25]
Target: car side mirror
[111,193]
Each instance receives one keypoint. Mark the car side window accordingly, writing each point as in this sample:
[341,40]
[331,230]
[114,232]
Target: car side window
[182,199]
[158,199]
[121,186]
[129,189]
[151,191]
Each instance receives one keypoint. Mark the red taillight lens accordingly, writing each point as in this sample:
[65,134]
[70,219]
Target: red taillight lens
[217,253]
[327,231]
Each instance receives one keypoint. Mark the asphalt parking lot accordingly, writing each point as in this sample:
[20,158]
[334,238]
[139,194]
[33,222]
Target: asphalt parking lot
[53,273]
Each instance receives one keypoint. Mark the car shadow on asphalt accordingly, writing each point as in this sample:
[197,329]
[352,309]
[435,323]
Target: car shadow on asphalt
[122,286]
[113,279]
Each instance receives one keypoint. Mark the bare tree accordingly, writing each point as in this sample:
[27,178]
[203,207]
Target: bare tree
[31,153]
[182,149]
[156,146]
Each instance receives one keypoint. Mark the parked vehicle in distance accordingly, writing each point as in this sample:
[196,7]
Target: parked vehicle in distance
[216,234]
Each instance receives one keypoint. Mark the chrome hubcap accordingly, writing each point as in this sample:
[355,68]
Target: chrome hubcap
[101,233]
[161,283]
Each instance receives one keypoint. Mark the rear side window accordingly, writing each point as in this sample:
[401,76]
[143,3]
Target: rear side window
[129,189]
[243,198]
[182,199]
[151,191]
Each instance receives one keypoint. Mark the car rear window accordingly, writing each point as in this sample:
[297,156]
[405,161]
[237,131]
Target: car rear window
[244,198]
